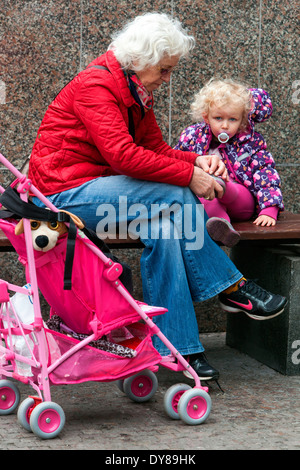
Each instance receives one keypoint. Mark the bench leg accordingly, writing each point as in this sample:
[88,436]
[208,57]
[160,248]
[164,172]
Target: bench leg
[275,342]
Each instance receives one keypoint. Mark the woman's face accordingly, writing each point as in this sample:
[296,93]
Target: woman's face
[153,76]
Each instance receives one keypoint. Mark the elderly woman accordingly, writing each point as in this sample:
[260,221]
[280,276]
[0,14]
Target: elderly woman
[99,147]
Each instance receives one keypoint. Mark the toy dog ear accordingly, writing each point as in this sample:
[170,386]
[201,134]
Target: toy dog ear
[62,228]
[19,228]
[77,221]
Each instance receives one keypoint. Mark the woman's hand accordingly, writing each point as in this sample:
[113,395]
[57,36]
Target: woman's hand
[213,165]
[203,185]
[265,221]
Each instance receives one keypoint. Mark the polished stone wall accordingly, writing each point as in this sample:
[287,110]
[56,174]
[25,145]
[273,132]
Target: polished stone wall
[43,44]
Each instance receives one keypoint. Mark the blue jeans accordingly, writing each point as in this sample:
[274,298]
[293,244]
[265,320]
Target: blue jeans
[176,269]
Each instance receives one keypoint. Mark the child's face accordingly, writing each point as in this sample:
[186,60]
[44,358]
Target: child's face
[224,119]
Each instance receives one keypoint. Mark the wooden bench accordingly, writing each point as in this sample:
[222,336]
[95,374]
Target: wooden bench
[6,246]
[272,255]
[286,231]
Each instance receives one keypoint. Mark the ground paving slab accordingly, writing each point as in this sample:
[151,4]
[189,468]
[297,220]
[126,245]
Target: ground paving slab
[259,409]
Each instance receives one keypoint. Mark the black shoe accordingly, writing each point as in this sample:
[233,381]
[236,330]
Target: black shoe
[200,365]
[253,300]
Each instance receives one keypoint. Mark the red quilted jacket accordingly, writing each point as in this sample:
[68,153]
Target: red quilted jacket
[84,135]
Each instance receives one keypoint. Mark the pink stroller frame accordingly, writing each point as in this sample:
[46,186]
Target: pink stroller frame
[110,341]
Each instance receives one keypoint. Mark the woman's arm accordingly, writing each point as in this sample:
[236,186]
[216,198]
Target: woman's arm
[98,109]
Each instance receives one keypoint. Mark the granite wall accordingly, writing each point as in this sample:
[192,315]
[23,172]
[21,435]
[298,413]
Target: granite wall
[43,44]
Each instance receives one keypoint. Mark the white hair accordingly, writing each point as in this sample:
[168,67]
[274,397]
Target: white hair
[148,38]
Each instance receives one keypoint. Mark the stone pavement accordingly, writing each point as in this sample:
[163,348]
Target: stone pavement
[260,409]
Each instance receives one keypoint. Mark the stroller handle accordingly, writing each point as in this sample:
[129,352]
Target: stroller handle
[21,176]
[25,182]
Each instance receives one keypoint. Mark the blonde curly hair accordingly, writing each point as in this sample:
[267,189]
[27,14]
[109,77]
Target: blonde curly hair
[221,92]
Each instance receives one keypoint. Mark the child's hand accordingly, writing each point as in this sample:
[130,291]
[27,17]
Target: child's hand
[213,165]
[265,221]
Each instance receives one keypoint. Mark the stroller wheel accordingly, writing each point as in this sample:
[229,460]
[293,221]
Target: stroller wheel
[24,412]
[120,386]
[47,420]
[194,406]
[9,397]
[141,386]
[172,397]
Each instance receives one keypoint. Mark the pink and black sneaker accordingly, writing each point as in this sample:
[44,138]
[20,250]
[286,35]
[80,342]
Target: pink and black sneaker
[253,300]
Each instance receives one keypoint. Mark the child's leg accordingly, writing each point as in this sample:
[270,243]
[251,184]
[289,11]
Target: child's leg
[236,204]
[238,201]
[215,208]
[218,225]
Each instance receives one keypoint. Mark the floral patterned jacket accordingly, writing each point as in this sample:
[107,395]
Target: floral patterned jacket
[245,155]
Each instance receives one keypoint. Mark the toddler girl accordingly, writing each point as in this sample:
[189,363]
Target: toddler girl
[227,111]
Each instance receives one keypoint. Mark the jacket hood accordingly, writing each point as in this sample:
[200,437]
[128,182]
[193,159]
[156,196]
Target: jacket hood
[261,111]
[262,106]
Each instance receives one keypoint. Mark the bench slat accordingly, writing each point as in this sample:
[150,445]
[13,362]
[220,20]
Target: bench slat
[286,230]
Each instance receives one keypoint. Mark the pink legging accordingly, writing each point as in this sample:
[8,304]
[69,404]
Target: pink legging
[236,204]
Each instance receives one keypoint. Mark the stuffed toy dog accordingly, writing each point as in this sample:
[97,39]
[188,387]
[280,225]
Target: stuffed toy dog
[45,234]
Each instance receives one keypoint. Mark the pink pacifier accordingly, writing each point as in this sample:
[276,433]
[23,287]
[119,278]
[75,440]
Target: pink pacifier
[223,137]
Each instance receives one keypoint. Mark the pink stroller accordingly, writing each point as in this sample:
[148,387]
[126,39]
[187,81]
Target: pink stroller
[96,332]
